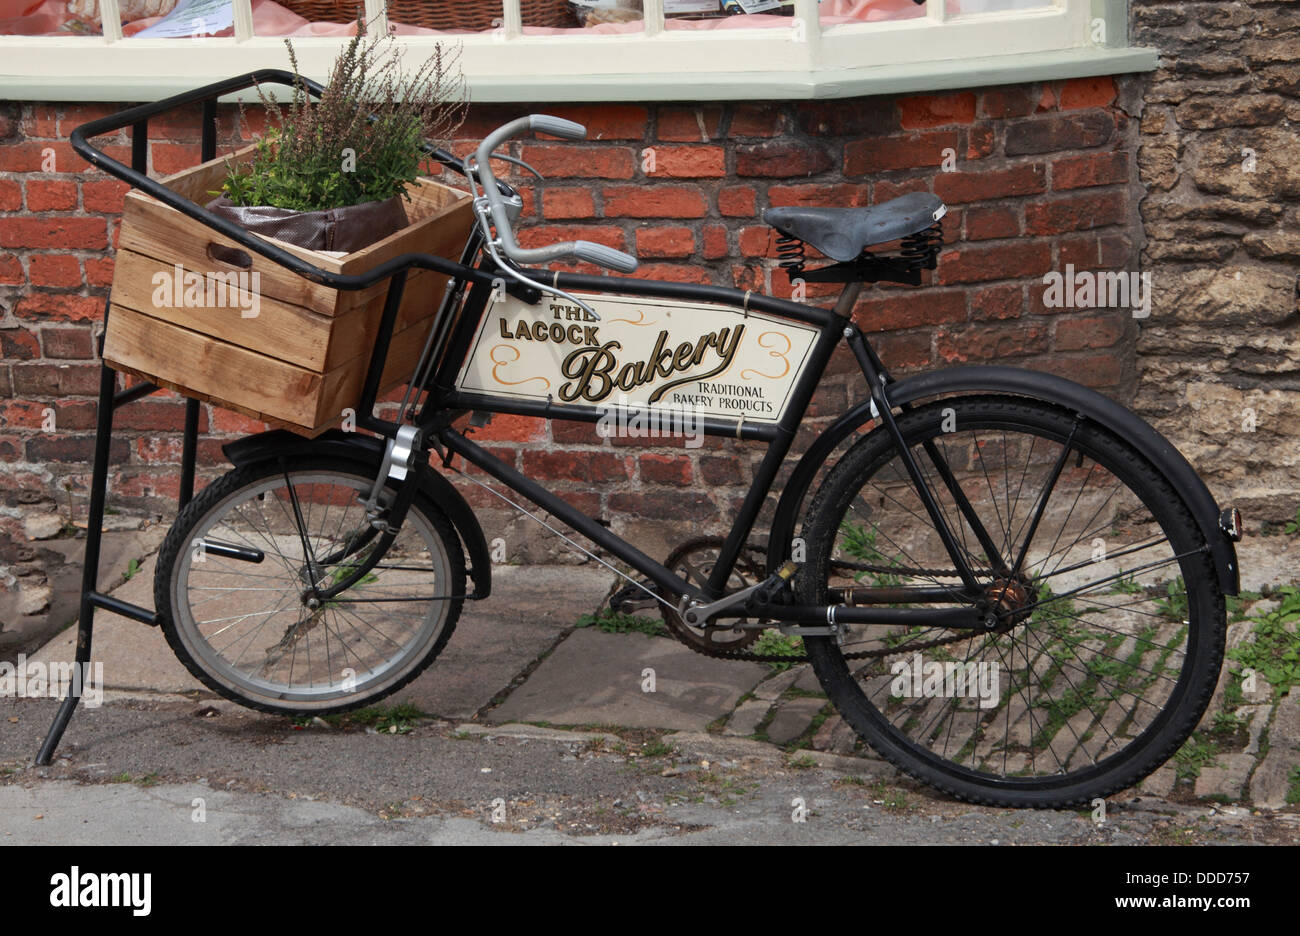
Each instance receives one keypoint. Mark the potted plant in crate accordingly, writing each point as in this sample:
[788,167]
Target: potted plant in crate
[327,177]
[328,184]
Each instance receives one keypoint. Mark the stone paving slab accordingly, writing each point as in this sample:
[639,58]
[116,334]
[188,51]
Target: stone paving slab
[835,735]
[793,718]
[494,641]
[771,689]
[744,721]
[497,638]
[62,559]
[596,678]
[807,681]
[1161,782]
[1227,777]
[1270,782]
[135,656]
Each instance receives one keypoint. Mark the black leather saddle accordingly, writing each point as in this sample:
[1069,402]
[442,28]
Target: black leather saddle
[843,233]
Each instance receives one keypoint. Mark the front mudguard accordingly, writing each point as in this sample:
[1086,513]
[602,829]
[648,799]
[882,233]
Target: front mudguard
[369,451]
[1017,382]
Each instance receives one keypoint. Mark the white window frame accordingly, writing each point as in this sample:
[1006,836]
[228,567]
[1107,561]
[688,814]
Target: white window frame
[931,52]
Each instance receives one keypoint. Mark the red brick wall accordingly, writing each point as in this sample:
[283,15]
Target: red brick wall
[1042,177]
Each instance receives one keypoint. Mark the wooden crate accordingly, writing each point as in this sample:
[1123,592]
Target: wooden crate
[303,358]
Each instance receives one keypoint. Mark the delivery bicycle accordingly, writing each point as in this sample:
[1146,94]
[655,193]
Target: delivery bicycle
[1007,584]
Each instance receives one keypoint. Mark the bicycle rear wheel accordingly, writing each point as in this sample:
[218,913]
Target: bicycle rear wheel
[233,585]
[1109,634]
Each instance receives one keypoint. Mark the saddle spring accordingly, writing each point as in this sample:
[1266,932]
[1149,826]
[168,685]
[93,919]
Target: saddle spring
[920,251]
[790,254]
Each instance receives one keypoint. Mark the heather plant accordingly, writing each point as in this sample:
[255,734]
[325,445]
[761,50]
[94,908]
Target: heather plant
[328,153]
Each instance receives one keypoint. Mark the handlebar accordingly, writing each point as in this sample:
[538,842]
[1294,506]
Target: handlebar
[584,250]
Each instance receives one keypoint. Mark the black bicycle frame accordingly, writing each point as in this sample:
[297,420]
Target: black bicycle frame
[445,401]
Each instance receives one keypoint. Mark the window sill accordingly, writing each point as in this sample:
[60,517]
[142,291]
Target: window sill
[827,83]
[821,83]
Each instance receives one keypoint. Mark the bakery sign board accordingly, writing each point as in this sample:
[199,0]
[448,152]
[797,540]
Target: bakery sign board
[711,360]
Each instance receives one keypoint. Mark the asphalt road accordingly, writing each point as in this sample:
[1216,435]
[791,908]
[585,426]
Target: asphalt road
[181,772]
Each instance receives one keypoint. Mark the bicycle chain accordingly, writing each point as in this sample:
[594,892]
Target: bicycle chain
[722,653]
[853,655]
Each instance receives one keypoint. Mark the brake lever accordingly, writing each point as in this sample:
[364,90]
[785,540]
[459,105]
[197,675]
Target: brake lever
[470,166]
[508,268]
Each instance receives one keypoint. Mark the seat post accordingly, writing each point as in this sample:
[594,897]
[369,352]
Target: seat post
[844,305]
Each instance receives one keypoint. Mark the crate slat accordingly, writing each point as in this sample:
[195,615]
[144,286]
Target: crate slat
[250,383]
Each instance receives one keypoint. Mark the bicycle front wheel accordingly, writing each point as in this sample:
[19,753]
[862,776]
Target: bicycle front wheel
[234,581]
[1109,620]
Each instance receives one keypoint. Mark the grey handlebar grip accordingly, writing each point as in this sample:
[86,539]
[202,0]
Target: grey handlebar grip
[594,253]
[558,126]
[604,256]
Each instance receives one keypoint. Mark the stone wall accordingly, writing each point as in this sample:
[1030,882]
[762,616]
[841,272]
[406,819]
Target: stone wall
[1219,156]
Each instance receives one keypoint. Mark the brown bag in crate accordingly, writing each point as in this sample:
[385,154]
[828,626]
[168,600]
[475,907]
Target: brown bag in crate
[342,229]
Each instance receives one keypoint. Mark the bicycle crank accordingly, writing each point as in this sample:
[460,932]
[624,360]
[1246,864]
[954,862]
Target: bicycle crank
[759,595]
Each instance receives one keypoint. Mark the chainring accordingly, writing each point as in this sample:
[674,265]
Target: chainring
[694,561]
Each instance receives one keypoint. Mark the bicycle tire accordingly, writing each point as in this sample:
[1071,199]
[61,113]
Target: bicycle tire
[889,724]
[359,666]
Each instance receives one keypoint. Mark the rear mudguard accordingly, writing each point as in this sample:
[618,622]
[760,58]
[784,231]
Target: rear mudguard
[1018,382]
[369,451]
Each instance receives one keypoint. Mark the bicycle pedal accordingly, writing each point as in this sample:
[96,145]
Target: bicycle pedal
[775,583]
[632,598]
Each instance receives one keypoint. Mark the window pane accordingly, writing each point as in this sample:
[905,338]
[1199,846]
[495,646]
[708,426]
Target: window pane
[177,19]
[990,6]
[407,17]
[417,17]
[304,17]
[582,17]
[615,16]
[777,14]
[837,12]
[49,18]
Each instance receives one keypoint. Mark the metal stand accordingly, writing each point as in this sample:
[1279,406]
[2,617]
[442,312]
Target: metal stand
[91,598]
[109,401]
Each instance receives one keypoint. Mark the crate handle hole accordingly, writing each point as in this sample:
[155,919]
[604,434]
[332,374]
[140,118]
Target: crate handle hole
[230,256]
